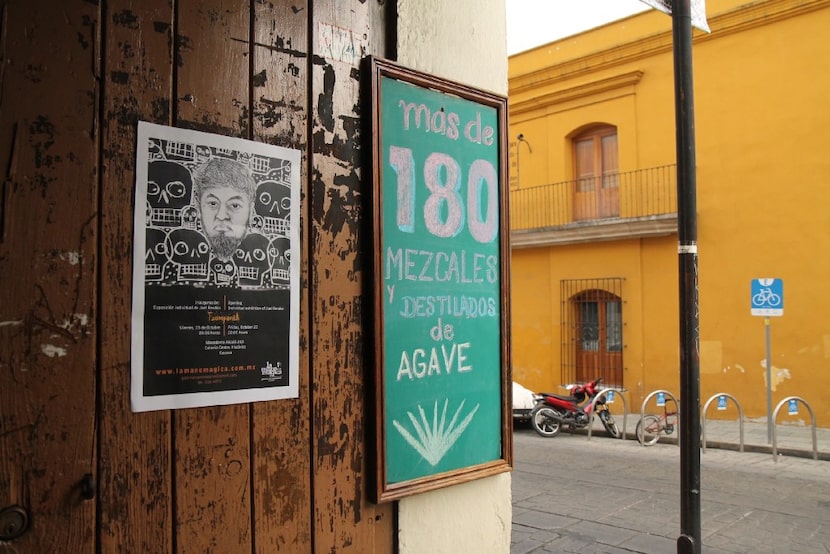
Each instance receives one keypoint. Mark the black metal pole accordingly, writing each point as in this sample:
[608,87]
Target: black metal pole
[690,540]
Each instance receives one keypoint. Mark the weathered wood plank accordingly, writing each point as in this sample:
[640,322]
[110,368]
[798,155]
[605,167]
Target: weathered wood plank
[48,269]
[135,467]
[342,33]
[212,445]
[281,440]
[243,474]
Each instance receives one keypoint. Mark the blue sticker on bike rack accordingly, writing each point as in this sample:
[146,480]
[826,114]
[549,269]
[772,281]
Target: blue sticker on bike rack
[661,398]
[767,297]
[792,406]
[721,402]
[609,397]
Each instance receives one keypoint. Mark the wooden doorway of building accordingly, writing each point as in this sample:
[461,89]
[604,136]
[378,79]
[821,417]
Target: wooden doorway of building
[596,171]
[81,472]
[598,337]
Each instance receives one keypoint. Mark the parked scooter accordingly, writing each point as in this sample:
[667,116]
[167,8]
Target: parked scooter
[552,411]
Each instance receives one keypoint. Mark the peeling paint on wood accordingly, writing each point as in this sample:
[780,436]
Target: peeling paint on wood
[344,519]
[212,506]
[281,454]
[270,476]
[136,455]
[47,267]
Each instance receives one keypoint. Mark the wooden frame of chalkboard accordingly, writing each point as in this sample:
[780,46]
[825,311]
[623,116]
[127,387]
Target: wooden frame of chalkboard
[440,281]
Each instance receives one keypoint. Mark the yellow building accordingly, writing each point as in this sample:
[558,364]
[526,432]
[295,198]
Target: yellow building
[594,208]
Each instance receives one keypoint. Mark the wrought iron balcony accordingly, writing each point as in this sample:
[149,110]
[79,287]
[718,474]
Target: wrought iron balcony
[638,203]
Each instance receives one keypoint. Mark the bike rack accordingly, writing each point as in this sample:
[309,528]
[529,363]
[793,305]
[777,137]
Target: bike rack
[774,426]
[600,394]
[643,410]
[740,419]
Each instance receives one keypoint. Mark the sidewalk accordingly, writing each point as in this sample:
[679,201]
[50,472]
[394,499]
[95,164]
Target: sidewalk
[603,496]
[793,438]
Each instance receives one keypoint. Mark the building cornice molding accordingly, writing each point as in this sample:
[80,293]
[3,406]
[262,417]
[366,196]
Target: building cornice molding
[656,226]
[742,18]
[574,93]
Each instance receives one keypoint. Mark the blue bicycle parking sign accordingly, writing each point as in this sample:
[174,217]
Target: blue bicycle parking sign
[792,407]
[767,297]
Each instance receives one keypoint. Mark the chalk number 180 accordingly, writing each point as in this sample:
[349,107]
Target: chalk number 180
[444,212]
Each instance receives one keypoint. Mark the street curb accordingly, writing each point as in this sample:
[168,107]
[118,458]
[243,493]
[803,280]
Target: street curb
[721,445]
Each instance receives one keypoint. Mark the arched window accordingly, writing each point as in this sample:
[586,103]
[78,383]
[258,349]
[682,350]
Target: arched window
[596,173]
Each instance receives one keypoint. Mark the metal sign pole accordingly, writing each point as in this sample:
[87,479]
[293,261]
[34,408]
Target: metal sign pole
[769,382]
[690,540]
[767,299]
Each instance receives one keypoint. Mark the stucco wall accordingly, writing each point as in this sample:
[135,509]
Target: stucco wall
[761,126]
[462,40]
[465,41]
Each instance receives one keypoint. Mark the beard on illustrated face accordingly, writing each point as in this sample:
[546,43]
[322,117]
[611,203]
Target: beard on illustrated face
[226,214]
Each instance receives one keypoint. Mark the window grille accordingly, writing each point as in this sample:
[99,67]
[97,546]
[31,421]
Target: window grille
[180,149]
[281,172]
[260,164]
[592,330]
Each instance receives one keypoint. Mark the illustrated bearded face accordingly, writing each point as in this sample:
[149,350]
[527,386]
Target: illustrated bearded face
[226,213]
[224,191]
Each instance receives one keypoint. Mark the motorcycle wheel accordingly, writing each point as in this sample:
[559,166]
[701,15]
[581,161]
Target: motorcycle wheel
[610,425]
[651,433]
[544,421]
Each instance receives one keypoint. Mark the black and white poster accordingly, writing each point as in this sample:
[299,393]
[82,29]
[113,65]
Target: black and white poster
[215,270]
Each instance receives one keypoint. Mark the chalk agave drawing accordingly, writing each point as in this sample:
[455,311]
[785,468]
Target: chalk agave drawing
[434,440]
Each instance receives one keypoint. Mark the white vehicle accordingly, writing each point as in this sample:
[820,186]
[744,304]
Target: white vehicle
[523,402]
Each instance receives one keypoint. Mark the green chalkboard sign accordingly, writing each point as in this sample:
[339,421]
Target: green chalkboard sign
[440,281]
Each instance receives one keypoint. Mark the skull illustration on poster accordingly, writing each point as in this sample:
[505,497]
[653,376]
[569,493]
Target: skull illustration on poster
[273,207]
[252,261]
[169,188]
[188,254]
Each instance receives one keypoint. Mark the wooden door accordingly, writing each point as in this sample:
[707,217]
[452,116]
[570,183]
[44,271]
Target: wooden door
[599,338]
[48,271]
[287,475]
[344,519]
[596,184]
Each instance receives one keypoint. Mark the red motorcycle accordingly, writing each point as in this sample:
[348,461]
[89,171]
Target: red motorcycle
[552,411]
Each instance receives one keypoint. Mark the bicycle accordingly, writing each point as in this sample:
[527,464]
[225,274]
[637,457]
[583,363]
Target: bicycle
[651,427]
